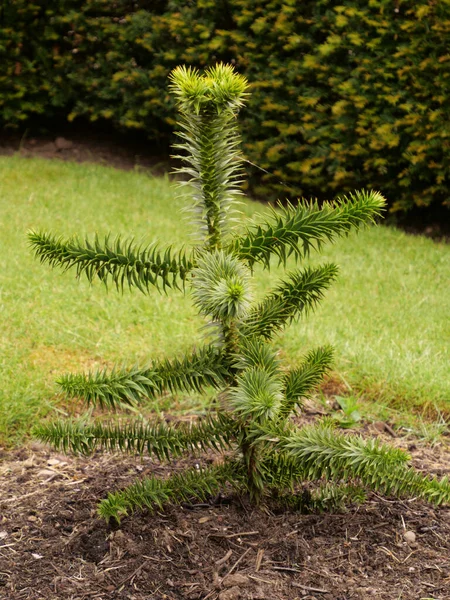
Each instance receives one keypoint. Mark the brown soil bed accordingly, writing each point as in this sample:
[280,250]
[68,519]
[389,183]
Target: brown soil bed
[54,547]
[88,145]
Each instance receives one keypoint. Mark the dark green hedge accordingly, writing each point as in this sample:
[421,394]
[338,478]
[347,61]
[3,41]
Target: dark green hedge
[345,94]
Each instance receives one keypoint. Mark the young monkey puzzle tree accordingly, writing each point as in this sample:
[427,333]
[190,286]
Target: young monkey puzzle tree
[264,453]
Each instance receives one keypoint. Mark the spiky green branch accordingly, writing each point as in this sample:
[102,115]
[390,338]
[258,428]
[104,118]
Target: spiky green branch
[296,230]
[159,439]
[121,262]
[254,352]
[195,371]
[322,452]
[300,293]
[299,382]
[153,494]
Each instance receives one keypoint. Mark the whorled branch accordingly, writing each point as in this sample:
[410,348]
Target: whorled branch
[323,453]
[195,371]
[121,262]
[299,382]
[298,294]
[296,230]
[153,494]
[160,439]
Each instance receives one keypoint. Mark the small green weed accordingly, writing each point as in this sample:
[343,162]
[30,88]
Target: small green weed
[349,414]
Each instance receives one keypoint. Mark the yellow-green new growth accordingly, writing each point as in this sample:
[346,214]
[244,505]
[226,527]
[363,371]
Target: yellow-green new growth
[209,146]
[218,89]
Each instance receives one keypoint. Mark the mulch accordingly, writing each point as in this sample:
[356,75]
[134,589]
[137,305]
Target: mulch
[53,546]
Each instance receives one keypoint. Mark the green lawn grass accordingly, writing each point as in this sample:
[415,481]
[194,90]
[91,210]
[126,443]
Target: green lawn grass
[387,316]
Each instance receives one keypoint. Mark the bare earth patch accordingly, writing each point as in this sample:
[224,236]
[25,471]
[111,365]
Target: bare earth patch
[54,547]
[80,144]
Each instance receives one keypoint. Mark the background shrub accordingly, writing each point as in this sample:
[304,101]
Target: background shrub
[343,95]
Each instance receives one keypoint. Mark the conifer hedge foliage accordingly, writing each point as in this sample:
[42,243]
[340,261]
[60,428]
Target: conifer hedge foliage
[259,449]
[344,94]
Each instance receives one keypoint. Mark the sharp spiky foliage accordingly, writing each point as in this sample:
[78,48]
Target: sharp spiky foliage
[301,292]
[210,145]
[193,372]
[296,230]
[325,454]
[221,287]
[121,262]
[257,396]
[264,454]
[158,439]
[300,382]
[255,353]
[152,493]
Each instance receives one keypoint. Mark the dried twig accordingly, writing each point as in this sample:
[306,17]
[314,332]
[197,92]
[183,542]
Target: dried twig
[259,558]
[133,574]
[18,498]
[224,559]
[260,579]
[238,561]
[233,535]
[290,569]
[307,588]
[389,553]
